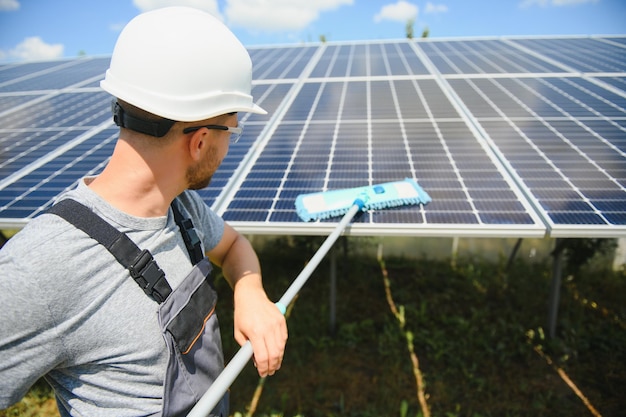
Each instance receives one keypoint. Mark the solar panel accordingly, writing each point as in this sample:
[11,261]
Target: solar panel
[511,137]
[564,140]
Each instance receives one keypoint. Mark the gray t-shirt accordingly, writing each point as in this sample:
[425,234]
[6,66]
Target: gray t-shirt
[70,312]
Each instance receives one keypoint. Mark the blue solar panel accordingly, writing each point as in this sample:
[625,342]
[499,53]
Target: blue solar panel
[9,73]
[61,75]
[32,193]
[593,54]
[484,57]
[568,151]
[509,136]
[375,132]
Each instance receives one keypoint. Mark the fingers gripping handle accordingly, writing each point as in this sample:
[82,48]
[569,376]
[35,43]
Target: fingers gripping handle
[215,393]
[210,399]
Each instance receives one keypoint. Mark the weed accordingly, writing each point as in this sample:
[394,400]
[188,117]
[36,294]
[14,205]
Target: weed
[474,332]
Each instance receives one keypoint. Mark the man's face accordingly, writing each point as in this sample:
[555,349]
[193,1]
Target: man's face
[199,175]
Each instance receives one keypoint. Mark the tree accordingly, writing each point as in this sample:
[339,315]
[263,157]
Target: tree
[409,28]
[426,32]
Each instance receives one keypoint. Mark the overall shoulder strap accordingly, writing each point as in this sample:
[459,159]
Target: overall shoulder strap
[140,263]
[192,241]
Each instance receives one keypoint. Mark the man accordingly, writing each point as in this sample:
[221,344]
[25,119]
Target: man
[122,324]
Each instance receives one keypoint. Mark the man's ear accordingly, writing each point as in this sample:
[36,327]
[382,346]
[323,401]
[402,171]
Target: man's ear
[197,142]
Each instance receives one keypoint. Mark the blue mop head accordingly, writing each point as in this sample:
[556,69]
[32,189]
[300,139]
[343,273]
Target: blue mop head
[325,204]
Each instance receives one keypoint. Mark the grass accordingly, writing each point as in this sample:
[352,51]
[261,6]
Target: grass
[478,333]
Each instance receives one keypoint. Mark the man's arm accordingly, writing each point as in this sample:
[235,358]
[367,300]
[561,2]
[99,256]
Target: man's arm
[257,319]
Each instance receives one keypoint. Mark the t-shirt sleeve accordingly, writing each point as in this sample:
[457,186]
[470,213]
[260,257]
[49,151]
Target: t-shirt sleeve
[29,343]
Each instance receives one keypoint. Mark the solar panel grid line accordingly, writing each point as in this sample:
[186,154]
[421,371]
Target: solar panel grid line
[11,70]
[579,120]
[612,42]
[584,155]
[372,78]
[517,45]
[613,82]
[602,216]
[584,54]
[447,91]
[81,85]
[364,70]
[403,132]
[296,148]
[342,100]
[59,77]
[521,134]
[53,154]
[617,62]
[369,115]
[538,227]
[539,64]
[402,120]
[37,99]
[225,197]
[266,64]
[527,63]
[56,67]
[368,103]
[279,63]
[64,109]
[520,75]
[58,171]
[93,171]
[548,159]
[16,152]
[486,56]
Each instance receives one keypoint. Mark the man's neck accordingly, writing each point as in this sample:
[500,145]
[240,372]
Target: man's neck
[136,186]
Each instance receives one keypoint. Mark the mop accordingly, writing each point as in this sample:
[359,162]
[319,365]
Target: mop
[318,206]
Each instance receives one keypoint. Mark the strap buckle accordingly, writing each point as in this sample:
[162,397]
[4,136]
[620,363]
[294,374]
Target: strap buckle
[148,275]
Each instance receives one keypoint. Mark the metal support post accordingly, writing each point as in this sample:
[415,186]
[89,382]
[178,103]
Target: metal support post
[555,290]
[513,254]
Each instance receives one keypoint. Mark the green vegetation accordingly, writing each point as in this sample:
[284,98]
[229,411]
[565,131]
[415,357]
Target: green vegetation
[477,331]
[409,28]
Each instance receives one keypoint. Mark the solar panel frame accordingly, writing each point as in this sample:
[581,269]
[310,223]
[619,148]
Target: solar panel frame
[511,136]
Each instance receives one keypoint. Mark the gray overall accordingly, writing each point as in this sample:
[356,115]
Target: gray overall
[186,315]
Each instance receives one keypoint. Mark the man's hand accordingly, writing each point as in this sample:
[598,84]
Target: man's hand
[258,320]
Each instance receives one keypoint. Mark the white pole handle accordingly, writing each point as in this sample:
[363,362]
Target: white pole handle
[215,393]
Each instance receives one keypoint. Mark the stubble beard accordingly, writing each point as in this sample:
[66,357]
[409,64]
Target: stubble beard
[199,176]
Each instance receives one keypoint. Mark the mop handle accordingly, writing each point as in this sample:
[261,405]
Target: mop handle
[216,391]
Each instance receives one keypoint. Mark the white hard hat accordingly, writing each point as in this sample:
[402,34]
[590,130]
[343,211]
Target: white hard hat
[181,64]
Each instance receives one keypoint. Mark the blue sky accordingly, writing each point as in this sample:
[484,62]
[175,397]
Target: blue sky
[47,29]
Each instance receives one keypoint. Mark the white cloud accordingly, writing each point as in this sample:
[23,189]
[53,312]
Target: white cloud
[557,3]
[9,5]
[34,48]
[209,6]
[277,15]
[529,3]
[400,12]
[116,27]
[435,8]
[571,2]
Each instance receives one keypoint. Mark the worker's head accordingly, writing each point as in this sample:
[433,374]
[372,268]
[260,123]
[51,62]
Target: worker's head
[181,65]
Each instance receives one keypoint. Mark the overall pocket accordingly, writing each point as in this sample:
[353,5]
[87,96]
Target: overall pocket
[191,332]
